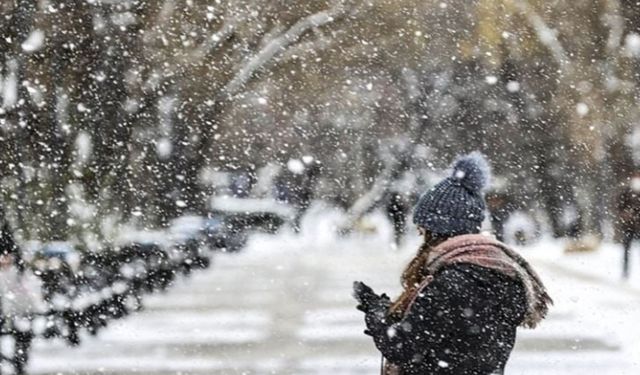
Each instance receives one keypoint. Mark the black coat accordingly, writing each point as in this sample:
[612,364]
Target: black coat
[462,323]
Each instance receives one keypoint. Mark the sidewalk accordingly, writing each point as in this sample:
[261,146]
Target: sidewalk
[603,264]
[592,328]
[284,307]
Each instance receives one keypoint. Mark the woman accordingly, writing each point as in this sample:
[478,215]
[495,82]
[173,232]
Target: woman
[464,293]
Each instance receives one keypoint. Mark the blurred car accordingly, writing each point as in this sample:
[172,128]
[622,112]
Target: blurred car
[231,219]
[222,233]
[55,255]
[56,263]
[188,238]
[185,228]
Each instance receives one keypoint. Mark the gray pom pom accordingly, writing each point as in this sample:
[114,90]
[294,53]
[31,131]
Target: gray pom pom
[472,171]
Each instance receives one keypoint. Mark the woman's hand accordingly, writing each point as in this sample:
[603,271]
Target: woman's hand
[368,299]
[375,307]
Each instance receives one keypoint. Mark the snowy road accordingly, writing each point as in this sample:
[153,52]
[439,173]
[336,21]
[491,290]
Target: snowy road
[285,308]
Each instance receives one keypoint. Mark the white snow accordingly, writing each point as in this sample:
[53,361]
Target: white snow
[295,165]
[633,141]
[285,303]
[164,147]
[34,42]
[632,43]
[123,19]
[492,80]
[83,146]
[10,86]
[128,235]
[513,86]
[582,109]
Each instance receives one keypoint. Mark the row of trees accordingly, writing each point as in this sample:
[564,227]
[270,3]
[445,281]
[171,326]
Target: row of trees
[111,110]
[116,106]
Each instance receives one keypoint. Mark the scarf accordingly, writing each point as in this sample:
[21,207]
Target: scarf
[487,252]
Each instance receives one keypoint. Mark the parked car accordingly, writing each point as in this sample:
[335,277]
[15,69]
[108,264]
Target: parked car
[222,233]
[231,219]
[56,264]
[188,238]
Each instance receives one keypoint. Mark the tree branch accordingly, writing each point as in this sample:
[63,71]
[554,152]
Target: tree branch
[213,41]
[392,161]
[278,45]
[614,21]
[546,35]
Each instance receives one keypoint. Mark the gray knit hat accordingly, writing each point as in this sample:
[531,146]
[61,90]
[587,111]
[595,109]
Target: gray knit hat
[456,205]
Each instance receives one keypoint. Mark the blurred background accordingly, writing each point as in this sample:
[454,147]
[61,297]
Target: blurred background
[156,125]
[129,108]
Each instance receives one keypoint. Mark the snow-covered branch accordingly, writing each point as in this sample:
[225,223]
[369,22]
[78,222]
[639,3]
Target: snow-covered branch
[614,21]
[392,161]
[546,35]
[280,44]
[213,41]
[320,43]
[367,201]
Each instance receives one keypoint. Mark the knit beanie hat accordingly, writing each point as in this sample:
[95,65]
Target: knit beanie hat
[456,205]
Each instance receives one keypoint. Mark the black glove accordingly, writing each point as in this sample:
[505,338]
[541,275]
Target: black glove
[375,307]
[376,321]
[368,299]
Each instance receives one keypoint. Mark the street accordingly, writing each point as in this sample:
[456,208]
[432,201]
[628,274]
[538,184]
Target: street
[284,307]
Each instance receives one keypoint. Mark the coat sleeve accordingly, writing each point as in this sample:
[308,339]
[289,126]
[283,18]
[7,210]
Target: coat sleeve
[449,306]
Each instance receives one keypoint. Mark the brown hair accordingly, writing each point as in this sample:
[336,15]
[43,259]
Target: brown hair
[414,273]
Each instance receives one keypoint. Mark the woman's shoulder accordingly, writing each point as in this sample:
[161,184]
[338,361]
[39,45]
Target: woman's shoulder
[467,271]
[481,289]
[481,280]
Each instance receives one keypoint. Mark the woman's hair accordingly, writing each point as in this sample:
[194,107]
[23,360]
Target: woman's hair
[414,273]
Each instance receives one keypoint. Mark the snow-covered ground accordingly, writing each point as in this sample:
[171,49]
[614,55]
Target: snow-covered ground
[283,306]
